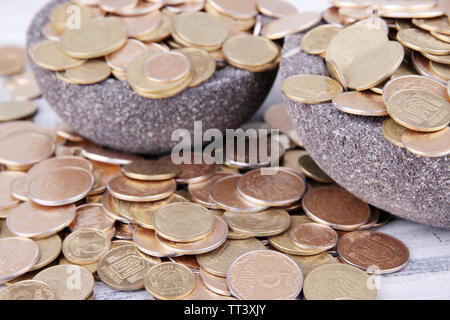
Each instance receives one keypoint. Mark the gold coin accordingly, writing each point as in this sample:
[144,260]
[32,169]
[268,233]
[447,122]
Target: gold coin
[167,67]
[393,132]
[113,5]
[233,235]
[169,281]
[314,236]
[291,24]
[420,40]
[124,231]
[355,13]
[275,8]
[145,240]
[202,63]
[19,255]
[419,110]
[423,66]
[183,222]
[310,88]
[60,16]
[50,56]
[31,220]
[405,69]
[95,38]
[434,144]
[7,200]
[161,33]
[49,250]
[85,246]
[121,59]
[235,8]
[141,25]
[360,103]
[309,263]
[15,110]
[375,21]
[316,40]
[336,73]
[60,279]
[436,58]
[93,71]
[11,127]
[442,70]
[214,283]
[440,24]
[374,65]
[28,290]
[151,170]
[353,283]
[218,261]
[194,168]
[312,170]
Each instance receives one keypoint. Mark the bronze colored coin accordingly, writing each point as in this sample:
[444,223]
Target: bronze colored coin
[316,40]
[124,268]
[49,250]
[275,8]
[419,110]
[188,261]
[353,283]
[60,186]
[308,264]
[212,241]
[121,59]
[66,132]
[440,24]
[310,88]
[277,117]
[140,191]
[369,249]
[336,208]
[271,186]
[110,204]
[7,199]
[434,144]
[420,40]
[312,170]
[93,71]
[103,173]
[150,170]
[143,24]
[200,192]
[273,275]
[291,24]
[169,281]
[360,103]
[393,132]
[31,220]
[203,64]
[440,59]
[235,8]
[91,216]
[167,67]
[16,110]
[183,222]
[218,261]
[50,56]
[373,220]
[250,51]
[224,193]
[60,279]
[314,236]
[442,70]
[259,224]
[194,168]
[423,66]
[145,240]
[19,255]
[34,148]
[336,73]
[85,246]
[58,162]
[28,290]
[214,283]
[232,235]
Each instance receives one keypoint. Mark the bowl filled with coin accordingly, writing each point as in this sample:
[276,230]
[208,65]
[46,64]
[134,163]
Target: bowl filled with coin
[126,73]
[368,93]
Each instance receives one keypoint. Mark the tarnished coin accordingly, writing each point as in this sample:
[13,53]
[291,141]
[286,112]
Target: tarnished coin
[259,224]
[194,168]
[169,281]
[58,278]
[313,236]
[316,40]
[34,221]
[214,283]
[124,268]
[310,88]
[127,189]
[360,103]
[58,162]
[103,173]
[28,290]
[309,263]
[275,8]
[85,246]
[200,192]
[60,186]
[420,40]
[387,254]
[19,255]
[393,132]
[291,24]
[97,153]
[7,200]
[335,207]
[273,275]
[50,56]
[49,250]
[218,261]
[353,284]
[93,71]
[434,144]
[16,110]
[271,187]
[167,67]
[183,222]
[151,170]
[145,240]
[203,64]
[121,59]
[419,110]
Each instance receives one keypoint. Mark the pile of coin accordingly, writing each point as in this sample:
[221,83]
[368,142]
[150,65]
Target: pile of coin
[392,59]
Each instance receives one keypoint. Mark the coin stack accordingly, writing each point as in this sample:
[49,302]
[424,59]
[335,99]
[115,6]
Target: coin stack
[406,78]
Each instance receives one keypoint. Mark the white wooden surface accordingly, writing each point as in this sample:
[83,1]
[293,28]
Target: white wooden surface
[427,276]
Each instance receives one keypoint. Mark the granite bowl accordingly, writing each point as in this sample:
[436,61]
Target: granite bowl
[352,150]
[111,114]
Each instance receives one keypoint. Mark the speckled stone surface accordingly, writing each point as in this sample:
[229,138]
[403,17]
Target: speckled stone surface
[111,114]
[353,151]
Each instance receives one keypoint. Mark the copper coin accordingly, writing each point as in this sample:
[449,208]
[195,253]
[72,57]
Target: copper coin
[434,144]
[369,250]
[167,67]
[110,204]
[188,261]
[60,186]
[143,24]
[31,220]
[200,191]
[19,188]
[145,240]
[314,236]
[360,103]
[91,216]
[66,132]
[373,220]
[103,173]
[193,167]
[336,207]
[121,59]
[58,162]
[264,275]
[7,200]
[271,186]
[97,153]
[18,255]
[127,189]
[151,170]
[224,193]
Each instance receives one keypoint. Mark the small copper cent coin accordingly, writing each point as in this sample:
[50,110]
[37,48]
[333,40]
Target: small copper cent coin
[200,192]
[314,236]
[151,170]
[7,200]
[127,189]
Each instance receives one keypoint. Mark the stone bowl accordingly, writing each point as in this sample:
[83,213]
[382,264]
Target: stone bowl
[351,149]
[111,114]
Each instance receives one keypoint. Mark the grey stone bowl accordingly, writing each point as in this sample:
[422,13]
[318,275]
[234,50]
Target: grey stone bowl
[352,150]
[112,115]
